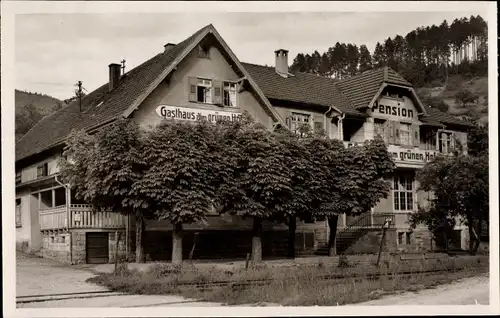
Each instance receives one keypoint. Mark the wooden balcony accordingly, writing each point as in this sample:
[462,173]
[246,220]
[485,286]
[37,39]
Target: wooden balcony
[82,217]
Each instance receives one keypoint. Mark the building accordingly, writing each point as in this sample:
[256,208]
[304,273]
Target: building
[202,75]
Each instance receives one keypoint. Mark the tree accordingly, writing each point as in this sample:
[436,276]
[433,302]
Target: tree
[365,59]
[460,191]
[103,168]
[347,180]
[465,97]
[379,57]
[187,166]
[262,181]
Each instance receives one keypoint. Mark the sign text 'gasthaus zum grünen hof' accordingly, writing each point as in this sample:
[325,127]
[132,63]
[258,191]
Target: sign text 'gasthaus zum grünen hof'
[191,114]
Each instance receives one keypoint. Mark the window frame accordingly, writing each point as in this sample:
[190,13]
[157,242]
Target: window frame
[308,115]
[403,192]
[44,170]
[230,84]
[449,145]
[207,90]
[408,132]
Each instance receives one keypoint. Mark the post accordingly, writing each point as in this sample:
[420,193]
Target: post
[117,236]
[53,198]
[247,259]
[194,245]
[382,240]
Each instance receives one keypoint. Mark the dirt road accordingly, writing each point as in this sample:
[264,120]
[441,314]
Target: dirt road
[469,291]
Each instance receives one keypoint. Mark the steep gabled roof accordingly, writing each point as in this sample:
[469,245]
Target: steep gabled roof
[300,88]
[360,89]
[98,107]
[102,106]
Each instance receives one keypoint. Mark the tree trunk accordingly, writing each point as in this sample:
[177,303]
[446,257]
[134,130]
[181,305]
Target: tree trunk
[257,240]
[471,236]
[292,226]
[332,224]
[177,244]
[139,235]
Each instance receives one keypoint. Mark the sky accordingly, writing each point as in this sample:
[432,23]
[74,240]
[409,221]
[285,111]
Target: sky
[54,51]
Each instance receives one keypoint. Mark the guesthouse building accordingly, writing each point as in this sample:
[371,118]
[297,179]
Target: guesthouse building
[202,77]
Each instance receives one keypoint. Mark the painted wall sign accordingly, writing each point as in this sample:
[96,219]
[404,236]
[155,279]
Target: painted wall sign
[400,154]
[394,110]
[191,114]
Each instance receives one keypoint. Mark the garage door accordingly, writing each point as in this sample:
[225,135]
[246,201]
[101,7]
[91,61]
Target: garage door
[97,247]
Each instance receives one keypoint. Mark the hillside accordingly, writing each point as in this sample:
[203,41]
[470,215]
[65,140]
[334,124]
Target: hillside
[478,86]
[30,108]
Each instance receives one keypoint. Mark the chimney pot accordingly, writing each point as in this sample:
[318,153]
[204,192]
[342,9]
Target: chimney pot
[281,64]
[168,46]
[114,75]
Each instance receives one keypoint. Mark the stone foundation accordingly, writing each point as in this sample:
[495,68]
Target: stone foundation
[56,246]
[79,247]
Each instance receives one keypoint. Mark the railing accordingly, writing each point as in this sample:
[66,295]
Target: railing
[83,216]
[54,218]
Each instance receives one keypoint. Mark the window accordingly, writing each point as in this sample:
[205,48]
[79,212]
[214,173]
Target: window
[405,135]
[403,192]
[408,237]
[430,140]
[18,213]
[42,170]
[297,120]
[18,177]
[446,142]
[400,238]
[204,91]
[229,94]
[380,128]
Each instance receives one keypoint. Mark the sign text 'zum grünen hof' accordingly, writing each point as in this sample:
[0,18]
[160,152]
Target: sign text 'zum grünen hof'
[191,114]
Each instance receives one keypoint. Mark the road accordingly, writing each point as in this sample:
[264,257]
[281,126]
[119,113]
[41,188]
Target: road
[45,283]
[469,291]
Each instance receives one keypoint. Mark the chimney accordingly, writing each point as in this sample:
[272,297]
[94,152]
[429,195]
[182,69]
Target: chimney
[114,75]
[281,62]
[168,46]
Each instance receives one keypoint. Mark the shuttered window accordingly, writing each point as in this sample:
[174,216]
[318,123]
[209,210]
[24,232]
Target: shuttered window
[230,94]
[405,134]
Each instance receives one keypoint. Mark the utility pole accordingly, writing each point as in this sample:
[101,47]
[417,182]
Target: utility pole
[123,66]
[79,93]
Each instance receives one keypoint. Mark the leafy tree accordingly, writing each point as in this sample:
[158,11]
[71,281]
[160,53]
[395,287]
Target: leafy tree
[436,102]
[347,180]
[465,97]
[460,191]
[103,168]
[477,141]
[262,180]
[187,163]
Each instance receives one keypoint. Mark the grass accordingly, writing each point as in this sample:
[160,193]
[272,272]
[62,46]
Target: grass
[293,286]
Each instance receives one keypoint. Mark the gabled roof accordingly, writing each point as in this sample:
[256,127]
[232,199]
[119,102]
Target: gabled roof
[102,106]
[360,89]
[54,128]
[300,88]
[435,115]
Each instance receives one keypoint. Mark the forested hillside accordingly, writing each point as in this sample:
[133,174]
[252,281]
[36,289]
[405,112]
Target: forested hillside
[31,107]
[447,63]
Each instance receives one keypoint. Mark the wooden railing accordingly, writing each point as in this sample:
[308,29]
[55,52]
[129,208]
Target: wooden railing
[83,216]
[54,218]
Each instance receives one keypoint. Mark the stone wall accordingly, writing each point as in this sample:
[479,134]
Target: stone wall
[56,246]
[79,247]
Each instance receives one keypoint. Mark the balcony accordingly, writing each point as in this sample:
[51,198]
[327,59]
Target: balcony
[82,216]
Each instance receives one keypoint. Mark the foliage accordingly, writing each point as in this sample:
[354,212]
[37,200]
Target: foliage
[422,56]
[186,164]
[437,103]
[477,141]
[103,168]
[465,97]
[460,190]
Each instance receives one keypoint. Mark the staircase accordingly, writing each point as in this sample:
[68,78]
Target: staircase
[349,235]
